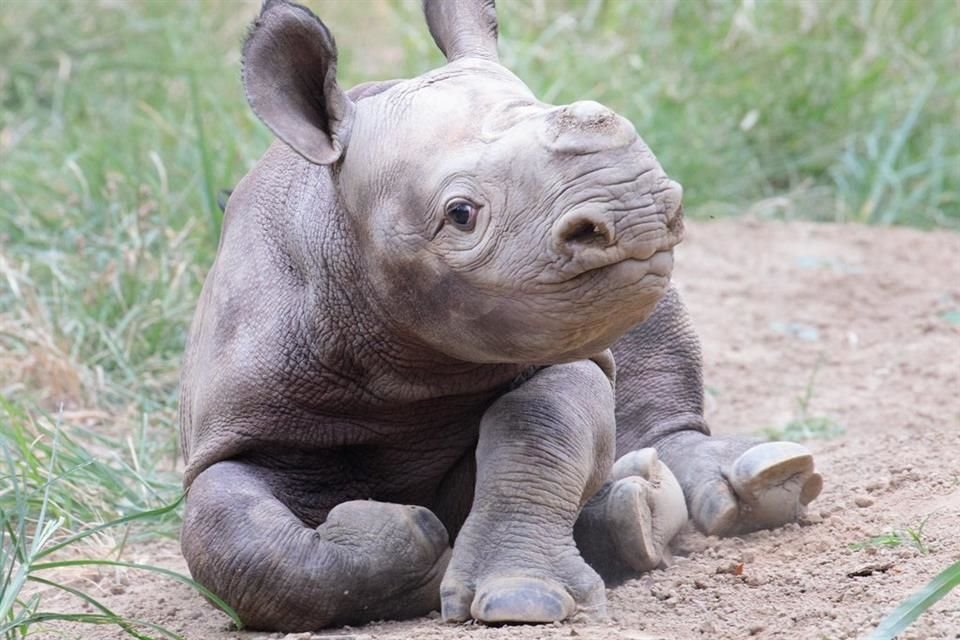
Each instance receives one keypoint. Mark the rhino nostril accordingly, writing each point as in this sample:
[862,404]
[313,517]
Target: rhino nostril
[675,221]
[586,233]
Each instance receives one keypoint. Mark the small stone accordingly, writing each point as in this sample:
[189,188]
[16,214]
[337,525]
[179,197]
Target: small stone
[813,518]
[708,627]
[754,629]
[661,594]
[863,501]
[699,584]
[753,581]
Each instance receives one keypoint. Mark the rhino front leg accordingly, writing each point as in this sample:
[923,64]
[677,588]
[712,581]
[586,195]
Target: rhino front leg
[367,561]
[732,484]
[544,448]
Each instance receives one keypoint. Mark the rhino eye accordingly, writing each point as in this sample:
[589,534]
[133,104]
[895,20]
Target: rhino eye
[462,214]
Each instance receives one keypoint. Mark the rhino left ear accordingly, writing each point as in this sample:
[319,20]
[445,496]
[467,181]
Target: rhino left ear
[290,78]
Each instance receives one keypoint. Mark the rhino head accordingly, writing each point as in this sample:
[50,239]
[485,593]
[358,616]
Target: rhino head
[495,227]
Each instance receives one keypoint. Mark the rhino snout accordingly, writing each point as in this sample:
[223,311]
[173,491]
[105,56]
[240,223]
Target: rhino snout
[597,237]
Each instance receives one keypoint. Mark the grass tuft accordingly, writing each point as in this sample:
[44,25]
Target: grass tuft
[51,490]
[804,425]
[912,536]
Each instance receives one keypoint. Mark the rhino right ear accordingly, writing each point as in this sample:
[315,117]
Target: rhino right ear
[290,78]
[463,28]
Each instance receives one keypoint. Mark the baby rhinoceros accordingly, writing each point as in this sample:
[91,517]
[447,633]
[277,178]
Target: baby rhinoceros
[399,389]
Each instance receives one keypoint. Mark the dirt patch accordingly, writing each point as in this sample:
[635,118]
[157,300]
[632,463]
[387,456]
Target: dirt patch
[877,313]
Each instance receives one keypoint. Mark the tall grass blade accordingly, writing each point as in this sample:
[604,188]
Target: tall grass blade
[92,618]
[124,623]
[146,567]
[911,608]
[140,515]
[206,162]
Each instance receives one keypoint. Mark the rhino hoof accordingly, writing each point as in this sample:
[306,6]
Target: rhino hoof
[530,600]
[646,508]
[769,485]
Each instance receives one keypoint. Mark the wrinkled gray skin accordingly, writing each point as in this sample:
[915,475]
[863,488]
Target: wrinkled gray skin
[399,393]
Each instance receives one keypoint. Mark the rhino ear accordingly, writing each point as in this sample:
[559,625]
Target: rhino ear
[463,28]
[290,78]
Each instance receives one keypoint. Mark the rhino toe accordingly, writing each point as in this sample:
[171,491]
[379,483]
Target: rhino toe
[530,600]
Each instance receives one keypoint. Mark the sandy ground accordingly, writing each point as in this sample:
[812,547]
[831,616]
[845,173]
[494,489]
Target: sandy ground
[878,309]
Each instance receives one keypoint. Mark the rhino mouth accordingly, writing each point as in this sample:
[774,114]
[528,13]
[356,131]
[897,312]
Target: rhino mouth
[622,269]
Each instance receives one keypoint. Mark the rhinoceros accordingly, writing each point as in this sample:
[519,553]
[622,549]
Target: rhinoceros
[438,361]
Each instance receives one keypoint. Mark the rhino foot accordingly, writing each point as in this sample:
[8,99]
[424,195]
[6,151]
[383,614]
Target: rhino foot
[367,561]
[496,581]
[645,509]
[766,486]
[627,526]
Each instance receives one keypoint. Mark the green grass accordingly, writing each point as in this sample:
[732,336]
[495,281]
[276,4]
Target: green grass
[911,536]
[910,609]
[805,425]
[59,501]
[119,121]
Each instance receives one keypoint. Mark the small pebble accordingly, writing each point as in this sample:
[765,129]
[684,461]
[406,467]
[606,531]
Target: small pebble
[863,501]
[754,629]
[661,594]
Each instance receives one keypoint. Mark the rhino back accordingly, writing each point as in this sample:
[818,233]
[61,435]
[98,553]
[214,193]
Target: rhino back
[257,357]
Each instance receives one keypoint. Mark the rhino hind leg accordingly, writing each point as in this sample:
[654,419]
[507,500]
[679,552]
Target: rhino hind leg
[367,561]
[732,484]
